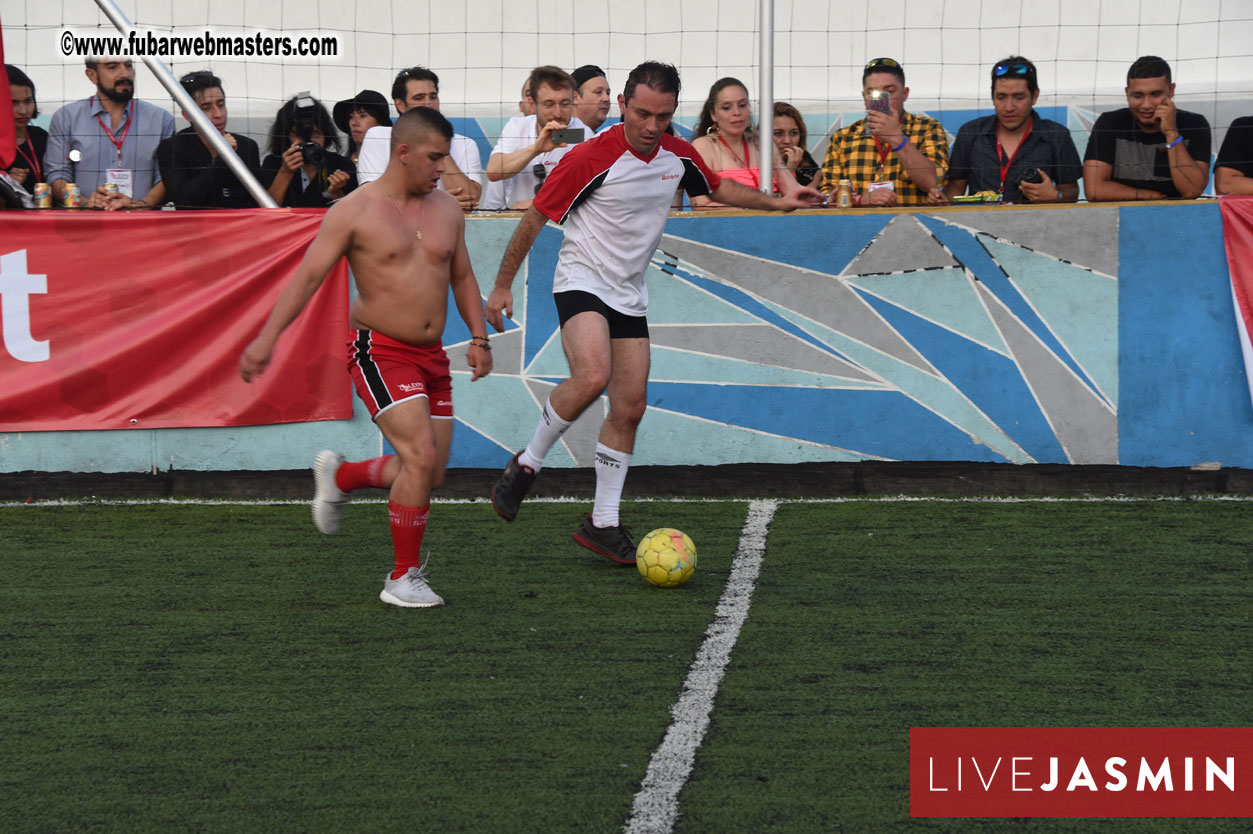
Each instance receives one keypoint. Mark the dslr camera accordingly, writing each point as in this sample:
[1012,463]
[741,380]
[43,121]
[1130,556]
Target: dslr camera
[305,122]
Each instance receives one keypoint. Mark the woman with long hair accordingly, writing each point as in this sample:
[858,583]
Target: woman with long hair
[727,142]
[306,177]
[791,140]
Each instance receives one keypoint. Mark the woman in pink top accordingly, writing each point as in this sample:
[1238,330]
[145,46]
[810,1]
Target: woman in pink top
[728,144]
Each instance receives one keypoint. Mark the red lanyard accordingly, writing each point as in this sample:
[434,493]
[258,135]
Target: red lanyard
[747,167]
[33,159]
[1000,154]
[884,151]
[117,142]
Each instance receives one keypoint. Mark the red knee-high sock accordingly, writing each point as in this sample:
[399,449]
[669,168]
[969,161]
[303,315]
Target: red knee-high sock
[366,473]
[408,525]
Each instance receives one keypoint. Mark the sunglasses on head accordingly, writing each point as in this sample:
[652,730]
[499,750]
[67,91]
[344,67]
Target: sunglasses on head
[192,76]
[882,62]
[1025,70]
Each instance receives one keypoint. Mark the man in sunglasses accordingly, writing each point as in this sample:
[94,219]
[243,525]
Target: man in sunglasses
[1148,150]
[892,157]
[994,153]
[526,153]
[193,173]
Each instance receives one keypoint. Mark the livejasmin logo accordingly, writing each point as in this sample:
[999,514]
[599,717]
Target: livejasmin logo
[1161,778]
[16,288]
[1080,771]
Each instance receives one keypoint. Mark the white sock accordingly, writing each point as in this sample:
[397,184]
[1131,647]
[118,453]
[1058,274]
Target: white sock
[549,431]
[611,472]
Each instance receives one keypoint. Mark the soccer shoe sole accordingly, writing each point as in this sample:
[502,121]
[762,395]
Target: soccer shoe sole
[326,509]
[397,601]
[601,551]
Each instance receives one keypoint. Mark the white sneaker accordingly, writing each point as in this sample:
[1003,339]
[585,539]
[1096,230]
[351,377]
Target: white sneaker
[410,590]
[328,499]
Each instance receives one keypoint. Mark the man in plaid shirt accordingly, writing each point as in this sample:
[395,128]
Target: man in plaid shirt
[892,158]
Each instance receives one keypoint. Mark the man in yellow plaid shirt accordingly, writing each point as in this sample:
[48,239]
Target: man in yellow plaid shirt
[893,158]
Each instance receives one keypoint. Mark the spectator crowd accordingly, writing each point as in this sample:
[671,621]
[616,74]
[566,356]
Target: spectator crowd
[121,152]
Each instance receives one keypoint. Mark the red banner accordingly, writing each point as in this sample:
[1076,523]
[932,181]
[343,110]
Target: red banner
[136,320]
[1238,234]
[1081,771]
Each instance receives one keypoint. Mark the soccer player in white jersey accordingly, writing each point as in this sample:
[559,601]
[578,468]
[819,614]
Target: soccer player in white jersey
[615,190]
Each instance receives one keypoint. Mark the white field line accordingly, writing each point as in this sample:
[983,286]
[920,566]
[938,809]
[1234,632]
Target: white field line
[656,806]
[879,499]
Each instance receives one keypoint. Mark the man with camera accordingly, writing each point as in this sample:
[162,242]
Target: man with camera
[892,157]
[463,169]
[405,243]
[1148,150]
[531,146]
[1014,152]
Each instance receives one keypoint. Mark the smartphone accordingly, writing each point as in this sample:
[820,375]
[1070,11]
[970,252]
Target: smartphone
[880,101]
[568,136]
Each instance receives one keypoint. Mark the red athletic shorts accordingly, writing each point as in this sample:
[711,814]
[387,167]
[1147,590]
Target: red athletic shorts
[387,372]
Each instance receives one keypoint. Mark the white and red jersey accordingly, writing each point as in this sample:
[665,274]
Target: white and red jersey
[617,203]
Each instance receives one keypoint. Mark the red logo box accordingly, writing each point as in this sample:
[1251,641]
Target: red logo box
[1081,771]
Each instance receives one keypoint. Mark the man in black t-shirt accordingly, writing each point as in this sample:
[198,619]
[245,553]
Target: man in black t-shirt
[1233,170]
[193,173]
[1147,150]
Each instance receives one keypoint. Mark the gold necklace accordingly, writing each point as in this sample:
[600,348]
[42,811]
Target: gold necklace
[421,212]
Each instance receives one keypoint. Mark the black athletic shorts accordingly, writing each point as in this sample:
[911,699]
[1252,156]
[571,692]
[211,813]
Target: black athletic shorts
[621,326]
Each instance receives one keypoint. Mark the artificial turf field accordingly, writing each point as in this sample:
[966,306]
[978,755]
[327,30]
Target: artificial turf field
[222,668]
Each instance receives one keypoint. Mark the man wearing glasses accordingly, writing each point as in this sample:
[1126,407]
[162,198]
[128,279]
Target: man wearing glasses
[1148,150]
[999,152]
[526,153]
[892,157]
[193,173]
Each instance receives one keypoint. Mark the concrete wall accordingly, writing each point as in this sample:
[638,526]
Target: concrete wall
[1084,335]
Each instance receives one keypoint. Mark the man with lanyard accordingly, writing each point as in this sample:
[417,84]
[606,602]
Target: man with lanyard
[109,138]
[994,153]
[892,158]
[615,192]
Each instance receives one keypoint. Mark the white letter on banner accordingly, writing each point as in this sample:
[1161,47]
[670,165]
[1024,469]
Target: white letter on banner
[16,288]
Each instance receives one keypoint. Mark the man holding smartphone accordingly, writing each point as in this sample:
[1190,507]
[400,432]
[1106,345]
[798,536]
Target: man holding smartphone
[531,146]
[1149,150]
[892,157]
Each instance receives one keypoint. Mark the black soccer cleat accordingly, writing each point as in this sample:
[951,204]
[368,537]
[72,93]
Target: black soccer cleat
[614,543]
[511,487]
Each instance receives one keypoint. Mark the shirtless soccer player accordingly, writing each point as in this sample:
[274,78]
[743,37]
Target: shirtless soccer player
[405,242]
[615,190]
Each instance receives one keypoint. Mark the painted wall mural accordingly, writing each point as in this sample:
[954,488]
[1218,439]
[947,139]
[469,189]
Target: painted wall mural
[980,335]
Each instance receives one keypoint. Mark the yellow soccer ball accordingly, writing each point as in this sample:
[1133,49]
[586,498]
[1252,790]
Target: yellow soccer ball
[666,558]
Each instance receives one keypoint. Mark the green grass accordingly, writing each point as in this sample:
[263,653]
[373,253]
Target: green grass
[224,668]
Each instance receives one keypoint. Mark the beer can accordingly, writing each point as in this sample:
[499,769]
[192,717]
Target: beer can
[73,197]
[844,194]
[110,188]
[43,195]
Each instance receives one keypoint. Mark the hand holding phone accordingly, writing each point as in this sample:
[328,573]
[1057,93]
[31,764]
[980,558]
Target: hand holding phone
[567,136]
[880,102]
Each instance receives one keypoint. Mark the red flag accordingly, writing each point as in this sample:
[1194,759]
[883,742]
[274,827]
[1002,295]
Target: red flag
[8,127]
[1238,235]
[121,320]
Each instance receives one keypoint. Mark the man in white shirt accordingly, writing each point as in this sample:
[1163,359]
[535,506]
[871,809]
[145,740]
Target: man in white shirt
[526,153]
[463,168]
